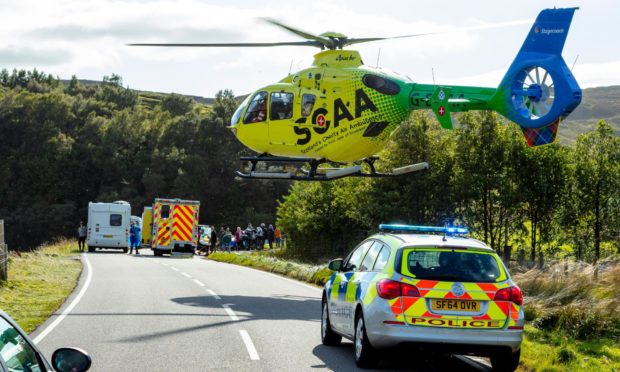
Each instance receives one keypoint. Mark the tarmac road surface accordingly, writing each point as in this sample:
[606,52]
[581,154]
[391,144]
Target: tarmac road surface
[146,313]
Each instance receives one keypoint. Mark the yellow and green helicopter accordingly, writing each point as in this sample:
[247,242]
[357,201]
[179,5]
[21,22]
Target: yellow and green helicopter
[340,111]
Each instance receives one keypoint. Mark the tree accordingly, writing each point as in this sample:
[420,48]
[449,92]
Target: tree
[485,174]
[596,183]
[542,173]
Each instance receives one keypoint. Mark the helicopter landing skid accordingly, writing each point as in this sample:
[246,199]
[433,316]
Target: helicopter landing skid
[322,174]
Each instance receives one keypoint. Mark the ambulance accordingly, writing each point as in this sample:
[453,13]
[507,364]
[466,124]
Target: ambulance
[108,226]
[175,226]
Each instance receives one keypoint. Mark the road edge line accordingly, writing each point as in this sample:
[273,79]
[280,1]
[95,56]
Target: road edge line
[73,303]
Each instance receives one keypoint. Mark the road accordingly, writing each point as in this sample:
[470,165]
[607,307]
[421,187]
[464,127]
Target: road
[146,313]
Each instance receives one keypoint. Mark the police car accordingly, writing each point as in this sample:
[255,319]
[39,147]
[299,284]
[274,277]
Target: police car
[427,291]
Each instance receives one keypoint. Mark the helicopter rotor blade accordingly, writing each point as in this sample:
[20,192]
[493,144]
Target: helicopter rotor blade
[247,45]
[369,39]
[323,40]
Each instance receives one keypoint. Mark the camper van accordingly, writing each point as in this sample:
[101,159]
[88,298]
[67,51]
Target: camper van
[108,225]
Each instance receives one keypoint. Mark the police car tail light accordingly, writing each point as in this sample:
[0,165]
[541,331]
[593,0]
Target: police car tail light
[390,289]
[512,294]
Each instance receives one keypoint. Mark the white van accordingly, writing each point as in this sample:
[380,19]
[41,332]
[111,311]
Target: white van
[108,225]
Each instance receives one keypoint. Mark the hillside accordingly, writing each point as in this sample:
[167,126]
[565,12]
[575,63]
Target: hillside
[598,103]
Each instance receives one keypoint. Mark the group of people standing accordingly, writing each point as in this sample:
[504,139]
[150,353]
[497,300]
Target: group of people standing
[245,239]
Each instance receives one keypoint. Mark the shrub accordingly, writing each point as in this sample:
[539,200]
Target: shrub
[565,355]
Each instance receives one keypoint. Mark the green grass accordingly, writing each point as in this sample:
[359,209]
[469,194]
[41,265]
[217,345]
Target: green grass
[39,282]
[556,351]
[308,273]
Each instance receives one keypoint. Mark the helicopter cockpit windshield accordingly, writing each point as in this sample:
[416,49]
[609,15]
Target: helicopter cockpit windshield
[257,110]
[237,115]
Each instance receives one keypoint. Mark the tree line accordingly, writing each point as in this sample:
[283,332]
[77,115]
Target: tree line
[63,145]
[526,203]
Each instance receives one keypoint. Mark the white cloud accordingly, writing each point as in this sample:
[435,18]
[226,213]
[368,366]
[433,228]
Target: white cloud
[90,36]
[597,74]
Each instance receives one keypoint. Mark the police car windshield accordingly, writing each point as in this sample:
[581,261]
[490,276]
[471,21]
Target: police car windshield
[452,265]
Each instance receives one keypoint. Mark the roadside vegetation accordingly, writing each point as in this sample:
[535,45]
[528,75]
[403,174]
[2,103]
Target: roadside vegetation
[39,282]
[274,263]
[572,309]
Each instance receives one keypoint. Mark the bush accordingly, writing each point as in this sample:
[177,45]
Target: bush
[531,312]
[565,355]
[546,322]
[578,323]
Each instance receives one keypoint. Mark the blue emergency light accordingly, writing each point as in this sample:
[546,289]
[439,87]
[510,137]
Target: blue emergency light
[448,230]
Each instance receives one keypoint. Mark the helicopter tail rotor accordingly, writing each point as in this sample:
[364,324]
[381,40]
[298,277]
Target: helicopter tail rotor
[539,90]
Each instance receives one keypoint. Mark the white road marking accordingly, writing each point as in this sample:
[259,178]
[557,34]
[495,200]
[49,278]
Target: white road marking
[199,282]
[249,345]
[174,268]
[214,294]
[230,312]
[186,275]
[165,264]
[75,301]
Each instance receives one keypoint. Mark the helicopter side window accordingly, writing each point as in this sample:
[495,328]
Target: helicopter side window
[281,106]
[307,104]
[257,110]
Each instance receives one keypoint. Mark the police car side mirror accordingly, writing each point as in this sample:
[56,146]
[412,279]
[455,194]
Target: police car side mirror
[69,359]
[335,265]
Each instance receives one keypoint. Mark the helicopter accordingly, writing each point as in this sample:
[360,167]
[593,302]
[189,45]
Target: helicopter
[340,111]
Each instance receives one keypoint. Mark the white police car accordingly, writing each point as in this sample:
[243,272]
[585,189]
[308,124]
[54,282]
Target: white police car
[446,292]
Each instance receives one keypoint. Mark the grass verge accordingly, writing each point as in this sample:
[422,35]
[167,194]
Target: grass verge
[314,274]
[555,351]
[574,342]
[39,282]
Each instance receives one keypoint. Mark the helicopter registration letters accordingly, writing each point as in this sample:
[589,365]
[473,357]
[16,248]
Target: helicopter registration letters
[341,112]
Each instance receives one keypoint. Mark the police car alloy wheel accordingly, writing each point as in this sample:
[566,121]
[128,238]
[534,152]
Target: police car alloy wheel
[364,353]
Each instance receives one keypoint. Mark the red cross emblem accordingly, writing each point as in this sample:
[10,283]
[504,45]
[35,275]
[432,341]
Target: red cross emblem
[320,120]
[441,111]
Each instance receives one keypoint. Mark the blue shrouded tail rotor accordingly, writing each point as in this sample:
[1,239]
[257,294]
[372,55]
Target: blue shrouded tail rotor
[533,93]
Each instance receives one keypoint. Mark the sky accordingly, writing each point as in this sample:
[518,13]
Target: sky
[88,38]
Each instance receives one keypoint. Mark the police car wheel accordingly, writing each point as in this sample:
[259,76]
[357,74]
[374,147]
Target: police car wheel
[505,361]
[364,353]
[328,336]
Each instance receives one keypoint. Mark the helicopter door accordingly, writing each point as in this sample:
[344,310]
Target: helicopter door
[281,118]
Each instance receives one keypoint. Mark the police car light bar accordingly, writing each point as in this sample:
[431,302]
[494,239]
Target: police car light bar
[449,230]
